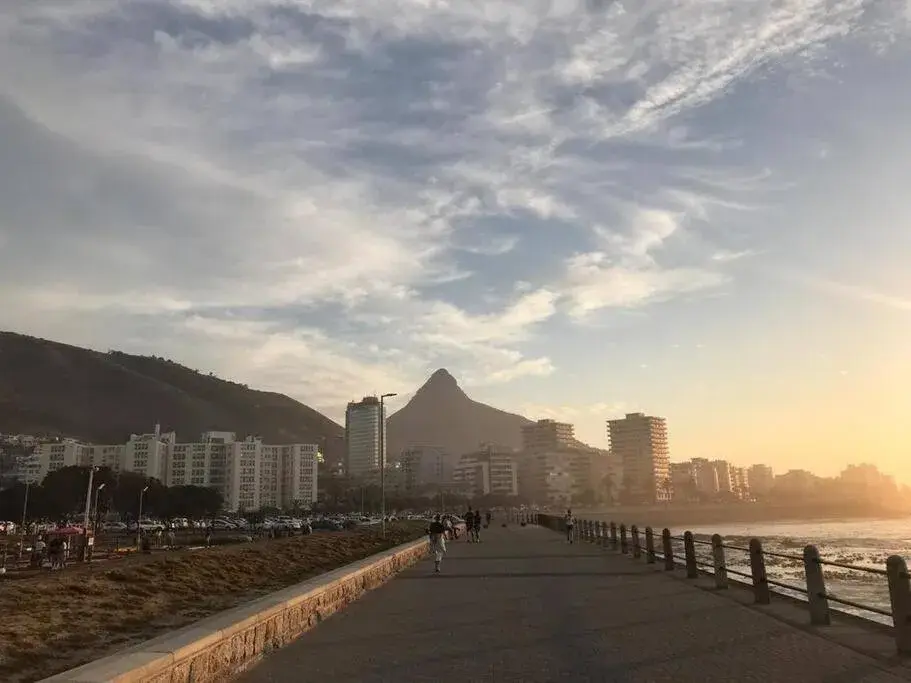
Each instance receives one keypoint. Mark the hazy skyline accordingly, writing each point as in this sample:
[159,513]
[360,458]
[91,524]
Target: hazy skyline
[696,210]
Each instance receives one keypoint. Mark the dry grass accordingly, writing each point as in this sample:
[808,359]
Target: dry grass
[55,621]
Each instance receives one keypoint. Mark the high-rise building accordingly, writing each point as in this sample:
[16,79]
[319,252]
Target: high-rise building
[489,471]
[762,480]
[740,482]
[363,431]
[547,435]
[684,480]
[52,456]
[425,466]
[725,477]
[641,442]
[706,477]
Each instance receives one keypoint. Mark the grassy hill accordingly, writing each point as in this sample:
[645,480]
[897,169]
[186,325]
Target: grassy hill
[56,389]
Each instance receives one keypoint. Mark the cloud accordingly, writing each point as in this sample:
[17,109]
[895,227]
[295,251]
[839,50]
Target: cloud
[850,292]
[320,189]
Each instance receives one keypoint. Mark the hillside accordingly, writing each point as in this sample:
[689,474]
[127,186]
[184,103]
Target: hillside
[441,414]
[56,389]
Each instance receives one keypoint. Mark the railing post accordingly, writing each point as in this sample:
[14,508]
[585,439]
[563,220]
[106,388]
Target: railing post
[649,545]
[900,597]
[689,552]
[586,530]
[613,536]
[667,547]
[761,592]
[637,548]
[816,587]
[721,571]
[624,542]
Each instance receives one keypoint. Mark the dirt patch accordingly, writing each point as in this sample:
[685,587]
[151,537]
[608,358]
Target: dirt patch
[51,622]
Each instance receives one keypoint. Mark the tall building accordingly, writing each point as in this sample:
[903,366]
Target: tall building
[489,471]
[547,435]
[740,480]
[725,477]
[762,480]
[641,442]
[363,431]
[56,455]
[706,477]
[425,466]
[248,474]
[684,480]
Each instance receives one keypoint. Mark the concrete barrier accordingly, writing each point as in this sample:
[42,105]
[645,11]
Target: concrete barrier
[224,644]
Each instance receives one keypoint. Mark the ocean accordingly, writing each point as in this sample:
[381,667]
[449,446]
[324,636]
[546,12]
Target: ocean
[861,543]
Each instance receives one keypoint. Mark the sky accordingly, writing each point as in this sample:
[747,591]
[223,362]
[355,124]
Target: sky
[697,209]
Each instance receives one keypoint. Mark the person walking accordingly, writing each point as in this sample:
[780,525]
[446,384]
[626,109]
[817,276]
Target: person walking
[437,533]
[469,524]
[487,517]
[570,522]
[477,526]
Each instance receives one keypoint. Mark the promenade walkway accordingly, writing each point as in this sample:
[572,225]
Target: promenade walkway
[526,606]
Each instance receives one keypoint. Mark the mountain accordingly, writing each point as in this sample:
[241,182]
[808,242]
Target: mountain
[56,389]
[441,414]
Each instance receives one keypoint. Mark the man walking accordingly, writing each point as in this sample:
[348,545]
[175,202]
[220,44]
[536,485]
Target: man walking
[469,524]
[477,526]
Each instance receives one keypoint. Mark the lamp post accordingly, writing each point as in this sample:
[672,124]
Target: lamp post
[97,491]
[139,518]
[88,500]
[383,459]
[28,484]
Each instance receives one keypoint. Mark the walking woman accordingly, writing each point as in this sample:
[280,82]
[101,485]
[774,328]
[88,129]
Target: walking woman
[437,533]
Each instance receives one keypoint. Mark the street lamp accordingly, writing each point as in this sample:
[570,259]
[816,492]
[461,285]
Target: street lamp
[28,484]
[383,459]
[97,491]
[139,518]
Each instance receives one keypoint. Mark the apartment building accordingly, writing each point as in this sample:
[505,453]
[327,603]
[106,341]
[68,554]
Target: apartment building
[56,455]
[706,477]
[725,478]
[489,471]
[740,482]
[363,435]
[248,473]
[547,435]
[684,480]
[762,480]
[420,467]
[641,441]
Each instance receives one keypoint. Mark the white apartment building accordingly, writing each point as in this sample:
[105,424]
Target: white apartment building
[490,471]
[641,442]
[59,454]
[249,474]
[363,434]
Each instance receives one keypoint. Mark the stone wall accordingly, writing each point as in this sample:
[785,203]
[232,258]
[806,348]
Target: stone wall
[220,646]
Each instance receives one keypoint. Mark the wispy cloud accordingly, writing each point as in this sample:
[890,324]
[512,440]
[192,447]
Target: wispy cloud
[330,179]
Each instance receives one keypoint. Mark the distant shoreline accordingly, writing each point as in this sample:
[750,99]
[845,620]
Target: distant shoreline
[705,515]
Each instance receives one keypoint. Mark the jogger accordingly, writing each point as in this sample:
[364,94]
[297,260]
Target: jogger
[570,524]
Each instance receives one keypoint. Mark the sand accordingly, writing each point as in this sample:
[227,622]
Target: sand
[53,621]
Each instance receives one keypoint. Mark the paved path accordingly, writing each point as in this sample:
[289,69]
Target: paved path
[525,606]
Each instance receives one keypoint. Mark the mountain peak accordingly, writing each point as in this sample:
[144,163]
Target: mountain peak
[442,376]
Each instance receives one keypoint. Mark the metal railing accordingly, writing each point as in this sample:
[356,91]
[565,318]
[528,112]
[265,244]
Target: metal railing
[665,547]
